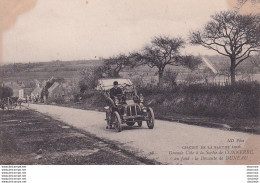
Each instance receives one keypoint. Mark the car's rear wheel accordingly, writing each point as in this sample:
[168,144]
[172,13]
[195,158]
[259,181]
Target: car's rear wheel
[117,122]
[108,118]
[150,121]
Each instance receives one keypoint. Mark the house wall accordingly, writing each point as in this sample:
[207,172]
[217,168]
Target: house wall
[21,93]
[56,94]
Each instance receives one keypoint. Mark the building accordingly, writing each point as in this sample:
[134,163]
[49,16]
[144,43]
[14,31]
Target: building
[142,75]
[21,94]
[36,93]
[55,92]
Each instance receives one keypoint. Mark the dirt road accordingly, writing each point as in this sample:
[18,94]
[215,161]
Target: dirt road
[28,138]
[168,142]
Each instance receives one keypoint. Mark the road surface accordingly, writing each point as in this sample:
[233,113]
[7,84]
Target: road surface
[168,142]
[28,137]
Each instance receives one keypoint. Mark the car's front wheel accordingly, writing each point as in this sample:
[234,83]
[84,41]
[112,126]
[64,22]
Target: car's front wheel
[150,121]
[117,122]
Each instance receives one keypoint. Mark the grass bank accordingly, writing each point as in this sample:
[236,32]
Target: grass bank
[234,102]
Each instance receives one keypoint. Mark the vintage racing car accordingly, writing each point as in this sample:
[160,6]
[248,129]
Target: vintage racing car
[126,108]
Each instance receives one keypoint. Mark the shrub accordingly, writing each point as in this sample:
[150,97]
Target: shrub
[238,101]
[59,100]
[169,78]
[88,79]
[94,98]
[5,92]
[193,78]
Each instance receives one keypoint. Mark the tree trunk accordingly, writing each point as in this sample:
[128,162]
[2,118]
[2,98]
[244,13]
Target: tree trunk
[160,84]
[233,71]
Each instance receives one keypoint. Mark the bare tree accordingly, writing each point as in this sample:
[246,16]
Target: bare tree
[113,65]
[232,35]
[161,52]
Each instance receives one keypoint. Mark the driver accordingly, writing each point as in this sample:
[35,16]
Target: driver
[115,90]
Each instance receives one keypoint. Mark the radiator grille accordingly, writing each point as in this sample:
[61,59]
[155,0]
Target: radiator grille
[133,110]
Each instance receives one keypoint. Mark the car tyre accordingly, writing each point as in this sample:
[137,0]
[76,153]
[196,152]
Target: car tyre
[150,121]
[108,118]
[117,122]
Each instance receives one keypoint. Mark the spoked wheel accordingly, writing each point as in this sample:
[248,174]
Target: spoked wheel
[150,121]
[117,122]
[108,118]
[140,123]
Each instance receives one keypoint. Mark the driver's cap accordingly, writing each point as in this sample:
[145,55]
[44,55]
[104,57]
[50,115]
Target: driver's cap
[115,83]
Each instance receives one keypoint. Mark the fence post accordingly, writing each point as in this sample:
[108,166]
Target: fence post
[8,103]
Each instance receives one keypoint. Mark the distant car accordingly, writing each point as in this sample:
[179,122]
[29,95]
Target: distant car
[126,108]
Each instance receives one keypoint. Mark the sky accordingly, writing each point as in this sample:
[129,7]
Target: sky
[80,30]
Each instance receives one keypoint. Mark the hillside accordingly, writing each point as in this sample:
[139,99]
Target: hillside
[25,72]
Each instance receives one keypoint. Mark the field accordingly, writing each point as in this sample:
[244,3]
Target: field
[25,72]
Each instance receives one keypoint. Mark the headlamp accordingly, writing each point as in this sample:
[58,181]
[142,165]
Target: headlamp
[116,101]
[141,97]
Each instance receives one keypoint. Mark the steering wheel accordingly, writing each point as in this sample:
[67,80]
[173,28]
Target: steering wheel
[119,95]
[125,85]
